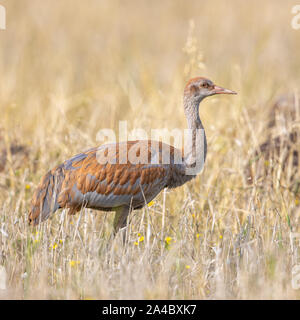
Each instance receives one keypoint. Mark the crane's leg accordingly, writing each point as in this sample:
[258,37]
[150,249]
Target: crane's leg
[120,220]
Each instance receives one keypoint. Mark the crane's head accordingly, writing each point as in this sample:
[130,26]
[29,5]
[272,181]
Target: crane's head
[199,88]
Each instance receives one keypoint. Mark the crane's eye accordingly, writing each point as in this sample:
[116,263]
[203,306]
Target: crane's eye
[204,85]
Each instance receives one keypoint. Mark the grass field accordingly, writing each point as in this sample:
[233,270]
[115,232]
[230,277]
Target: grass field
[70,68]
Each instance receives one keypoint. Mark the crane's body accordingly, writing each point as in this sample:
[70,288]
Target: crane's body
[84,182]
[104,178]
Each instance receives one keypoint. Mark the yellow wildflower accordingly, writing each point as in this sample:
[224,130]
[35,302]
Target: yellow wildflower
[136,243]
[141,239]
[27,187]
[168,240]
[151,203]
[53,247]
[74,263]
[187,266]
[197,235]
[267,163]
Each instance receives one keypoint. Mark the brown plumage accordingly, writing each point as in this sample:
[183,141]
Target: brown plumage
[284,113]
[279,152]
[281,147]
[18,153]
[106,178]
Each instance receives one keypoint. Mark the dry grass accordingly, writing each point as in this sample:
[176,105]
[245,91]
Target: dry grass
[71,68]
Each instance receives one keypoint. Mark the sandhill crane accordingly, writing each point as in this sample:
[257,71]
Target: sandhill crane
[280,149]
[119,185]
[14,154]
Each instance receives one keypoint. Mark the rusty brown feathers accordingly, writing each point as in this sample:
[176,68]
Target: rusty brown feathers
[83,174]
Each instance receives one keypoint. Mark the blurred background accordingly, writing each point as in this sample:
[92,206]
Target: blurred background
[70,68]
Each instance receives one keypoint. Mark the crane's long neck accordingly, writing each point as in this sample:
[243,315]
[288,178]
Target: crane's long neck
[194,151]
[195,145]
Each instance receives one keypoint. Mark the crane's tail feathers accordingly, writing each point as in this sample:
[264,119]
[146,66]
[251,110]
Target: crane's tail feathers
[44,201]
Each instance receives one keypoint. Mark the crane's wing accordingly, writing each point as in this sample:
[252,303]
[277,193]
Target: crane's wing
[129,173]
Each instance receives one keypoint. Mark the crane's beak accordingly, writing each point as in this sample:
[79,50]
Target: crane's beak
[219,90]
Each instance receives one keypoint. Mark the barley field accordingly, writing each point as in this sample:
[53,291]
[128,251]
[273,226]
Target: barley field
[71,68]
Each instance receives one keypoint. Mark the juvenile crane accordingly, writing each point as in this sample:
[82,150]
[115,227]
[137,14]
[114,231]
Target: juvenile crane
[116,184]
